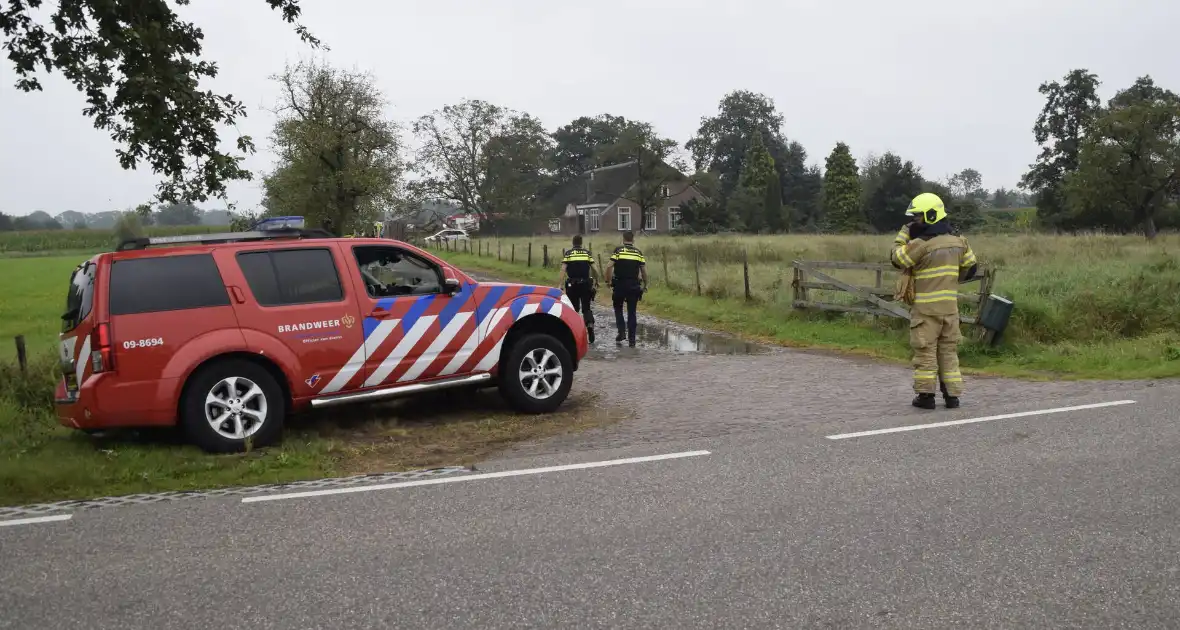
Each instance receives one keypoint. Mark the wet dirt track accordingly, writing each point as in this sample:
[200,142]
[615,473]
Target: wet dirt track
[683,383]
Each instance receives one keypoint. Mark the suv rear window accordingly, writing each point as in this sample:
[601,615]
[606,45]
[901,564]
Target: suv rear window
[166,283]
[80,297]
[291,276]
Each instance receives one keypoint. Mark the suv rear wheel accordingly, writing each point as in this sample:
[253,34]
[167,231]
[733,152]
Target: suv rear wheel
[231,404]
[537,374]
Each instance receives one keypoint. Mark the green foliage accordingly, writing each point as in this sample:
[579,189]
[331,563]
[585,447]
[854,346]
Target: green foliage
[1129,168]
[128,226]
[591,142]
[968,184]
[457,146]
[888,186]
[703,216]
[178,214]
[749,201]
[1069,111]
[88,240]
[778,217]
[841,191]
[340,158]
[722,142]
[139,66]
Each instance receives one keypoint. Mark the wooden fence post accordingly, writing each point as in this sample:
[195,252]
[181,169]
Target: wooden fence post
[664,260]
[600,269]
[696,265]
[796,299]
[746,272]
[499,251]
[530,263]
[22,356]
[545,255]
[513,254]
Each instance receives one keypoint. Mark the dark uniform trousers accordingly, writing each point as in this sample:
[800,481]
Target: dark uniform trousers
[626,292]
[581,292]
[579,287]
[627,289]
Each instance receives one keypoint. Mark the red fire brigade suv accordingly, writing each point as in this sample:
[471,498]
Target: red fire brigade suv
[227,333]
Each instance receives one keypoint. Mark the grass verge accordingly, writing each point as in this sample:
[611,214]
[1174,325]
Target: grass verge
[42,461]
[1155,355]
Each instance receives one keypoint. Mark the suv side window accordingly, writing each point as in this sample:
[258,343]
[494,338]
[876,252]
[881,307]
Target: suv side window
[391,271]
[80,297]
[166,283]
[291,276]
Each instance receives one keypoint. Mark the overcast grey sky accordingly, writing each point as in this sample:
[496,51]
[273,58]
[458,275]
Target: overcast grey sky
[949,84]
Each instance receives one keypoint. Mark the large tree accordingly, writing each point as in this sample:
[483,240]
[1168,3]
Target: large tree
[841,191]
[464,155]
[140,67]
[1129,166]
[890,184]
[516,166]
[968,184]
[340,159]
[1069,111]
[604,140]
[723,141]
[748,202]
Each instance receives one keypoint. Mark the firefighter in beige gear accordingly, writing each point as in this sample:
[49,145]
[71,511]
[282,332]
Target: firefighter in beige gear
[933,262]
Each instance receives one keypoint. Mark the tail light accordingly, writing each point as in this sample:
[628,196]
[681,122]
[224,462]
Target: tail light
[102,359]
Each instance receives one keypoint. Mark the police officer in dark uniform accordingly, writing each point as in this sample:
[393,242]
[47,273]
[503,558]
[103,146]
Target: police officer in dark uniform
[580,280]
[625,270]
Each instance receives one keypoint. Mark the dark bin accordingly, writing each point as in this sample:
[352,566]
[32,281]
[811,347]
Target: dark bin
[994,314]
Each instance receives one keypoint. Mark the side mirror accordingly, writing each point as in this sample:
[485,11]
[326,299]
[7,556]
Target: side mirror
[451,286]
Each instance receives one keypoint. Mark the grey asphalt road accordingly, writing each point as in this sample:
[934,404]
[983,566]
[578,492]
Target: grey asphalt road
[1057,521]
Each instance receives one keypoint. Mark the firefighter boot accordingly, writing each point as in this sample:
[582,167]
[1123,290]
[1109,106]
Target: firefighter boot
[952,402]
[924,401]
[590,333]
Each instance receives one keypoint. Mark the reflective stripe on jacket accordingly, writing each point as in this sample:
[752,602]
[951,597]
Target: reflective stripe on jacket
[937,265]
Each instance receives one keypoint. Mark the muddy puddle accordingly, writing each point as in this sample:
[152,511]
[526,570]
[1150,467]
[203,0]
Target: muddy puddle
[653,334]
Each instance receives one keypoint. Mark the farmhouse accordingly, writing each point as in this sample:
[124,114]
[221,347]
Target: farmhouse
[612,199]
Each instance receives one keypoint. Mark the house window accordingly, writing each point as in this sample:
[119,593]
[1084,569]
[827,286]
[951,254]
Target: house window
[673,218]
[624,213]
[649,221]
[666,191]
[593,221]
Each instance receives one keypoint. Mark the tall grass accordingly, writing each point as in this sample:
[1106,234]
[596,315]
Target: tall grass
[1088,288]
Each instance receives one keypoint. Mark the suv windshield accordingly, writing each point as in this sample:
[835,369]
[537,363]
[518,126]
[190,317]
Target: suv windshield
[79,297]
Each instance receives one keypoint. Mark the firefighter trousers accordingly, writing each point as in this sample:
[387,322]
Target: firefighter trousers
[935,342]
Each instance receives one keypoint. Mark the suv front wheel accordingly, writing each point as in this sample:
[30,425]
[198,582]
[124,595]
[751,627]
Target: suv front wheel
[537,374]
[232,404]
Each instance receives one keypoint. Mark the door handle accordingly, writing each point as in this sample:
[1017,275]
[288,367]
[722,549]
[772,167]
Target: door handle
[381,314]
[237,294]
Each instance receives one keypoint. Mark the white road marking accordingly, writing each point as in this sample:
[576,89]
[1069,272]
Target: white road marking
[37,519]
[494,475]
[951,423]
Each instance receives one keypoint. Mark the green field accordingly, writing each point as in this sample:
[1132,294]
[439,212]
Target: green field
[1086,306]
[57,241]
[43,461]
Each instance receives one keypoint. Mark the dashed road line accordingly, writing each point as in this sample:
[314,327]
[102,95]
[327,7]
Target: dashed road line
[951,423]
[492,475]
[36,519]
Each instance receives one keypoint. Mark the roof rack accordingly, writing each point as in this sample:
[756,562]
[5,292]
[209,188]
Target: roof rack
[226,237]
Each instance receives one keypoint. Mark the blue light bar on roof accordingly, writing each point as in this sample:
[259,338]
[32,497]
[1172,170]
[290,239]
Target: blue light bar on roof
[279,223]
